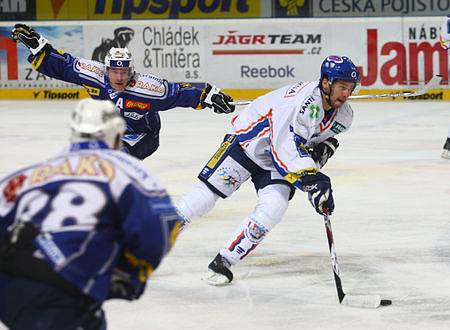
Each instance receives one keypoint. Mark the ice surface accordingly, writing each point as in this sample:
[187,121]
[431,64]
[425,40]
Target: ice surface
[391,225]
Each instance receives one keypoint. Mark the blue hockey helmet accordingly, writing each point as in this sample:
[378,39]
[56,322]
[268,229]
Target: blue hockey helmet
[336,67]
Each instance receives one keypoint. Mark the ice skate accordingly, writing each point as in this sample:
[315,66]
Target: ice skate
[219,272]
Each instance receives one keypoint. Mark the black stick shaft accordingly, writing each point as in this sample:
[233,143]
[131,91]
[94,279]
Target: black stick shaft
[333,256]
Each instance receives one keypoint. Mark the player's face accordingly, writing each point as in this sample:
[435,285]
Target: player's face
[118,78]
[340,92]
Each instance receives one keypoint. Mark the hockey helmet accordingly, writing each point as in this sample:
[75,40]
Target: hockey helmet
[119,58]
[97,120]
[336,67]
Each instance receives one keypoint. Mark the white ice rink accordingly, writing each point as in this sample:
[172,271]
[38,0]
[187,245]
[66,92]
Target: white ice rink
[391,225]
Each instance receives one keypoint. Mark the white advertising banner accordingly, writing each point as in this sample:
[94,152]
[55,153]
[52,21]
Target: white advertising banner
[247,54]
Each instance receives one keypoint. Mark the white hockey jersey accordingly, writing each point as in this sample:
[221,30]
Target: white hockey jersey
[275,128]
[444,38]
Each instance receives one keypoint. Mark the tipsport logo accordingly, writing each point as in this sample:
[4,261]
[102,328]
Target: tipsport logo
[175,8]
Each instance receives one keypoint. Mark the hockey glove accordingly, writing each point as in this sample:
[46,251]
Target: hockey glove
[324,150]
[30,38]
[121,286]
[320,194]
[212,97]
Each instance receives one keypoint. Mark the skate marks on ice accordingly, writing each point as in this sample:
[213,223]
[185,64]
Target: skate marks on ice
[392,226]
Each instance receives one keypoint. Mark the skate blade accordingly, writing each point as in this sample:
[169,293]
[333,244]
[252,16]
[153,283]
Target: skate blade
[215,279]
[445,154]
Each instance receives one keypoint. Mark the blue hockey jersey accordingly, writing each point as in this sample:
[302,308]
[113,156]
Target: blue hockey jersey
[97,211]
[139,103]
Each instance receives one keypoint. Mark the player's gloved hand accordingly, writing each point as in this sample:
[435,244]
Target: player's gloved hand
[324,150]
[30,38]
[121,285]
[216,99]
[320,194]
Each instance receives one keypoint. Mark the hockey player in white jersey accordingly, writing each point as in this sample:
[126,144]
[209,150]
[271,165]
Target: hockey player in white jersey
[445,44]
[281,141]
[88,225]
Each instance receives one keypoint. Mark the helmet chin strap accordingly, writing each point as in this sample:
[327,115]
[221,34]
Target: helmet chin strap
[327,95]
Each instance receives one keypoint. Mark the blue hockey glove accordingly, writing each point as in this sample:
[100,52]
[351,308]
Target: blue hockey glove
[324,151]
[214,98]
[320,194]
[30,38]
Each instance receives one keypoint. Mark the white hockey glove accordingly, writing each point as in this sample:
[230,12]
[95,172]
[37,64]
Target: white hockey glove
[30,38]
[213,97]
[320,194]
[324,151]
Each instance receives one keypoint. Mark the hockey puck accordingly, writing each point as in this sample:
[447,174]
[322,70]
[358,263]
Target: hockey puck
[385,302]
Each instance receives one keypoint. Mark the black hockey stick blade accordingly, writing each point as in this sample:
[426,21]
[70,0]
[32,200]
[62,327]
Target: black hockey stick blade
[363,301]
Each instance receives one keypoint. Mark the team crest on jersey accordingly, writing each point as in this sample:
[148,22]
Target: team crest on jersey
[129,104]
[338,127]
[314,111]
[229,176]
[292,91]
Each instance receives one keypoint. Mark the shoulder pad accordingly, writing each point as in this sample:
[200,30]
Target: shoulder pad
[300,89]
[134,170]
[345,114]
[90,68]
[148,85]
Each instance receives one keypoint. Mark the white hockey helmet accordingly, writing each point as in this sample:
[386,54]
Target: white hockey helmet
[119,58]
[97,120]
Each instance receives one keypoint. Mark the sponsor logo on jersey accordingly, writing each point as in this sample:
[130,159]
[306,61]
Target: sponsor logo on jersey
[221,152]
[51,249]
[12,187]
[92,90]
[113,94]
[150,87]
[132,115]
[129,104]
[89,165]
[314,111]
[307,104]
[89,67]
[338,127]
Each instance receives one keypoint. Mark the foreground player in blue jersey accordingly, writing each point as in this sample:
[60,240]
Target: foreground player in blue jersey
[88,225]
[138,96]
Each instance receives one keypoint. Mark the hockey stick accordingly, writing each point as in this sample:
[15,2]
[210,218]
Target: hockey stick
[366,301]
[434,82]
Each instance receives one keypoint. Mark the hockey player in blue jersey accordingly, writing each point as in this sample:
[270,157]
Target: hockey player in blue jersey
[85,226]
[138,96]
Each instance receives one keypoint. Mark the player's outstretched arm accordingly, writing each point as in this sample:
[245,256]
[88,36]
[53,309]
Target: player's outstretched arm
[29,37]
[213,97]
